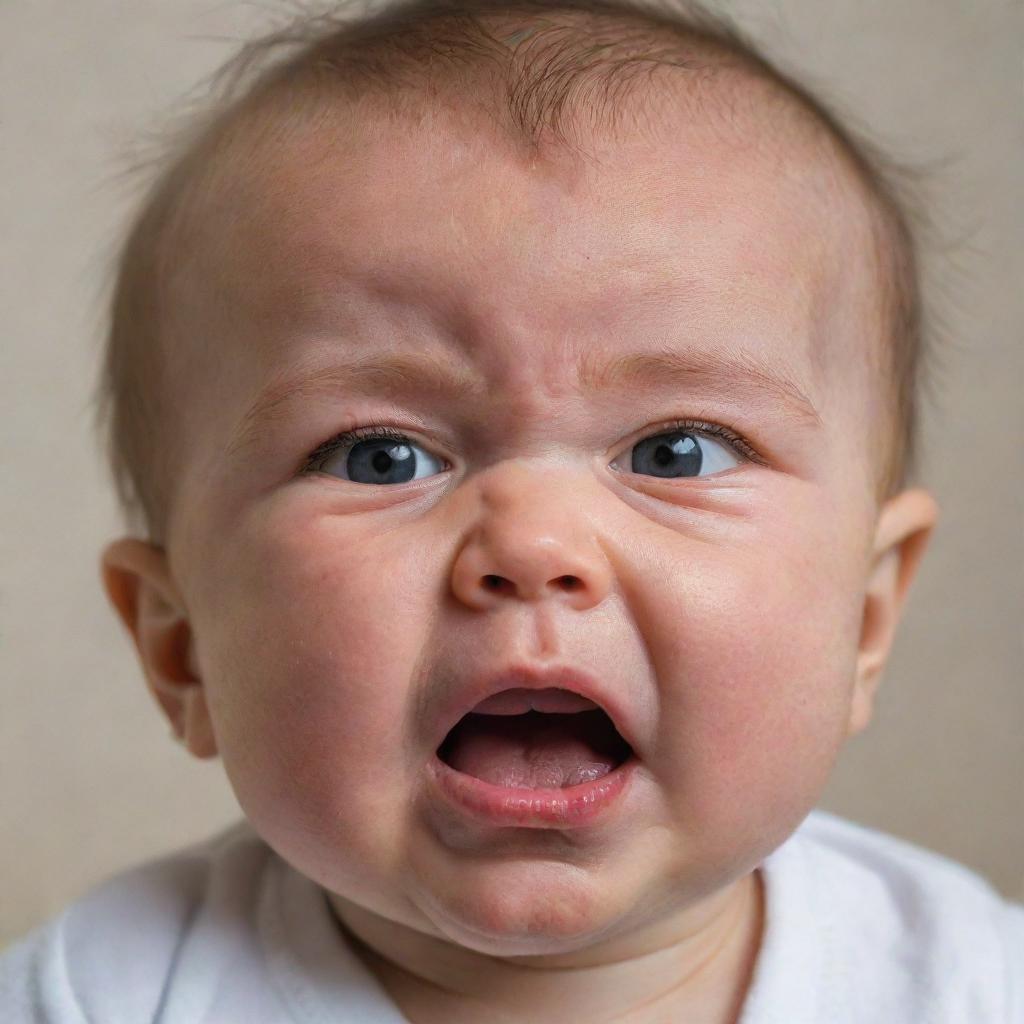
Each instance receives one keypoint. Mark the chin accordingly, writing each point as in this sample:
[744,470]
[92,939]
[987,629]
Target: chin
[528,909]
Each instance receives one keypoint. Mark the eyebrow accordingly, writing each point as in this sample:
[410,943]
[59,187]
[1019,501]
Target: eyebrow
[737,376]
[742,375]
[386,374]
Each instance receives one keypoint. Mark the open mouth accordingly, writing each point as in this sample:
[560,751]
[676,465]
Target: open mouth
[535,749]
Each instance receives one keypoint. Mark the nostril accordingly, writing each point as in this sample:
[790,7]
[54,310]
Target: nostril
[493,582]
[497,583]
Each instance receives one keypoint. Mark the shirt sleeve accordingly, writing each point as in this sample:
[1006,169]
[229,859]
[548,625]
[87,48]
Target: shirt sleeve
[34,987]
[1013,930]
[105,958]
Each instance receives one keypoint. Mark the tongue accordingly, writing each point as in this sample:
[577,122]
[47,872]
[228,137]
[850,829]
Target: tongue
[531,751]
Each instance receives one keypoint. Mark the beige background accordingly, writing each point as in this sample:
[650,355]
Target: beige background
[89,779]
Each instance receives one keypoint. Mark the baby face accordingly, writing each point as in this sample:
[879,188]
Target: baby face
[627,404]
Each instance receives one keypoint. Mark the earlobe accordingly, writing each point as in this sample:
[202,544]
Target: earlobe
[903,529]
[141,587]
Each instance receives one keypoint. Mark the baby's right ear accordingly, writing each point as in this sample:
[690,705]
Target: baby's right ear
[138,580]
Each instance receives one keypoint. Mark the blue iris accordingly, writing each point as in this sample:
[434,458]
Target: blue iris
[674,454]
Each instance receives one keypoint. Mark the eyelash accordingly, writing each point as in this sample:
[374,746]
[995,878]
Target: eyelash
[376,431]
[381,431]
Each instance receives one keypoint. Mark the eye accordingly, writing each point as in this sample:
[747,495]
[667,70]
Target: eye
[684,452]
[373,455]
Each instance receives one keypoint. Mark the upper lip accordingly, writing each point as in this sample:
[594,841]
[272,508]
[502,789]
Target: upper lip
[538,678]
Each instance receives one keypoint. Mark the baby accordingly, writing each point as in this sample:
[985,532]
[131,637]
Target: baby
[517,403]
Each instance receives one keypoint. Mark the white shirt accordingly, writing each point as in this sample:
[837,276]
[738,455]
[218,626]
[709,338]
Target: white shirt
[860,928]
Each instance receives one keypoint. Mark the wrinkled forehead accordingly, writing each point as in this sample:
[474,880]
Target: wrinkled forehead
[693,227]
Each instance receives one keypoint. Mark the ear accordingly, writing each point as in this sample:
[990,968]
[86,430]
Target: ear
[902,532]
[139,583]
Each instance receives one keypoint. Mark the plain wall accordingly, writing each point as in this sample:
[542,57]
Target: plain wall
[90,780]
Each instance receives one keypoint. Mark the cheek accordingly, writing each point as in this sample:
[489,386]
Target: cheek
[758,650]
[309,653]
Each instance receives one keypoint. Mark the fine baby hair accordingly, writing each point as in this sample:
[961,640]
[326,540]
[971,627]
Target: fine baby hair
[580,67]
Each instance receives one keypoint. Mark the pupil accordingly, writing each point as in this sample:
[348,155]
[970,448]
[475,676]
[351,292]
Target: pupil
[664,455]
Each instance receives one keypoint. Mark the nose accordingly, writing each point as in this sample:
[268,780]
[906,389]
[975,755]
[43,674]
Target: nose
[530,545]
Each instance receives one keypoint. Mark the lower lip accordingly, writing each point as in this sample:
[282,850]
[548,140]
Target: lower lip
[571,807]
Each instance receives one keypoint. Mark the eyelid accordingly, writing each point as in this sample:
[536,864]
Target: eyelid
[739,443]
[369,429]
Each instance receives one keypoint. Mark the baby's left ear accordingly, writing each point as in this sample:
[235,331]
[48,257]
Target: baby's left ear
[904,527]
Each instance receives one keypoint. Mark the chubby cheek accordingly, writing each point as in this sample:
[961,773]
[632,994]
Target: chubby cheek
[309,653]
[757,649]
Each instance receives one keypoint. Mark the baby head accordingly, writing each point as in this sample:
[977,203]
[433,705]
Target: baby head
[519,403]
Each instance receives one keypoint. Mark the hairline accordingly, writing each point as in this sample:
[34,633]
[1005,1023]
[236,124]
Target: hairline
[185,196]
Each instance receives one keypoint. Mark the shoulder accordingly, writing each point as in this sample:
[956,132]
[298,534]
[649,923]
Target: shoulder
[936,933]
[106,956]
[923,884]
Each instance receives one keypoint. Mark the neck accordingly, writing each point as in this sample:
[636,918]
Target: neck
[698,963]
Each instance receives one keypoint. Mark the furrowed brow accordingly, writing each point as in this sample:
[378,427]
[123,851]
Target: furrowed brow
[739,377]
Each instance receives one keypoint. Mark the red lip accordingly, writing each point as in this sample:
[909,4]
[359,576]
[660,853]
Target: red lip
[571,807]
[613,703]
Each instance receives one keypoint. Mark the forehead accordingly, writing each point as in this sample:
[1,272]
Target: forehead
[369,233]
